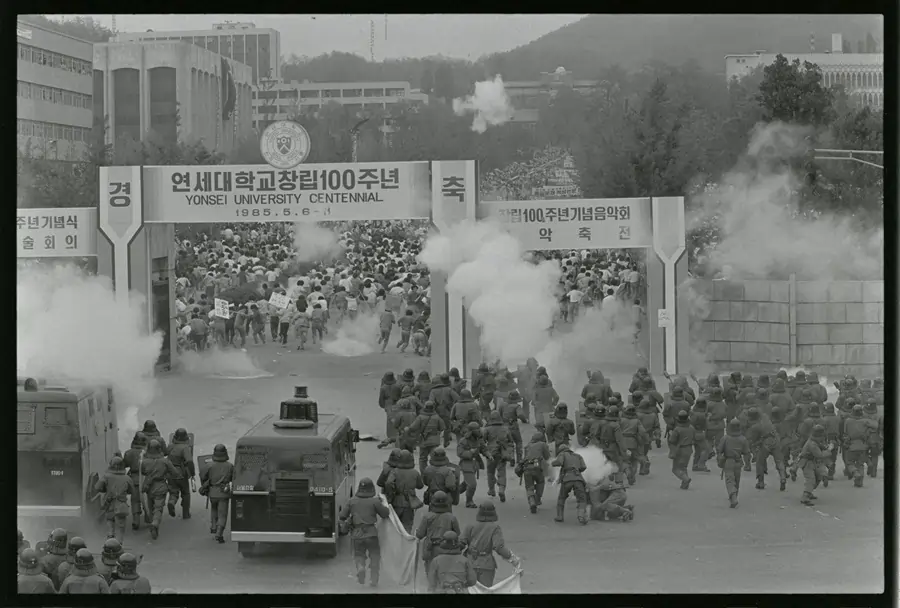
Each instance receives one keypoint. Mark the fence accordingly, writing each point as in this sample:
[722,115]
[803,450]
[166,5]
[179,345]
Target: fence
[834,327]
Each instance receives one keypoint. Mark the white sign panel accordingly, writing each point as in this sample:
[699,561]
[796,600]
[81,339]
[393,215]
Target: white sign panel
[557,191]
[574,224]
[313,193]
[279,300]
[664,318]
[221,308]
[56,233]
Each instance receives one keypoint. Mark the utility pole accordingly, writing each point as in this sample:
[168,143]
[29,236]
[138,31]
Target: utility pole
[372,40]
[354,136]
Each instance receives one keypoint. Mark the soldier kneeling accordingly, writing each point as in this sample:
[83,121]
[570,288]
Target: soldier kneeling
[608,498]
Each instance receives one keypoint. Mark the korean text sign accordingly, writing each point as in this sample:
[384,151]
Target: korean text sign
[51,233]
[307,193]
[574,224]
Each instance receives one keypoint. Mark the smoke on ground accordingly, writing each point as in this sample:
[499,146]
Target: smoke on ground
[71,328]
[598,467]
[511,299]
[490,104]
[354,337]
[314,243]
[225,364]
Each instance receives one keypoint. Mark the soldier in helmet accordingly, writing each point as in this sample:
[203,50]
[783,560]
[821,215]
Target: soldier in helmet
[482,539]
[732,451]
[532,467]
[444,398]
[439,476]
[422,389]
[112,549]
[608,498]
[611,440]
[151,432]
[511,414]
[857,430]
[500,450]
[21,543]
[182,459]
[450,572]
[132,460]
[715,419]
[698,418]
[31,578]
[634,439]
[681,443]
[545,400]
[571,466]
[456,383]
[433,525]
[76,543]
[217,479]
[763,440]
[834,430]
[401,485]
[386,469]
[559,428]
[117,487]
[427,429]
[470,448]
[84,578]
[388,395]
[407,378]
[876,439]
[155,470]
[57,544]
[464,412]
[403,420]
[128,581]
[484,386]
[362,513]
[814,460]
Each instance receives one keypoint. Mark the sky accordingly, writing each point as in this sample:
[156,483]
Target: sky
[460,36]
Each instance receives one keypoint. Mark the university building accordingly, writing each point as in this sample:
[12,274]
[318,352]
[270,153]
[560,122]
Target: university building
[180,91]
[54,93]
[861,74]
[527,96]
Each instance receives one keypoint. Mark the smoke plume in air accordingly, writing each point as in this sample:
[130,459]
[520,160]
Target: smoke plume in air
[598,467]
[490,104]
[510,299]
[225,364]
[71,328]
[314,243]
[354,338]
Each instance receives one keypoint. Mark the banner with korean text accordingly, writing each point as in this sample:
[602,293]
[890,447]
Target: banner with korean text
[56,233]
[308,193]
[574,224]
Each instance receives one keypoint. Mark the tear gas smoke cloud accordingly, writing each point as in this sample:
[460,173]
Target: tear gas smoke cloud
[598,468]
[314,243]
[490,104]
[71,328]
[354,338]
[226,364]
[510,299]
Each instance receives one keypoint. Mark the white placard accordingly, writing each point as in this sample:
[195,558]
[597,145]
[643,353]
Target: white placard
[222,308]
[664,318]
[279,300]
[48,233]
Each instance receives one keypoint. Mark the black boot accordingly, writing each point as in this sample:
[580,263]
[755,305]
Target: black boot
[154,532]
[760,482]
[560,512]
[783,484]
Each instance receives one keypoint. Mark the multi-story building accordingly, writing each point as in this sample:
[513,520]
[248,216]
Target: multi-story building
[279,100]
[178,90]
[861,74]
[54,93]
[528,95]
[258,47]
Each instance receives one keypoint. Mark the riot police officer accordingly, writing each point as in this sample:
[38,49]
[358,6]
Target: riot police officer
[182,459]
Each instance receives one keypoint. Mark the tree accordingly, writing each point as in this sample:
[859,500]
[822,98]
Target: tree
[794,94]
[444,85]
[79,27]
[426,83]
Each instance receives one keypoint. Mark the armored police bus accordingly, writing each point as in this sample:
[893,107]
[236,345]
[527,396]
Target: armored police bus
[65,438]
[292,476]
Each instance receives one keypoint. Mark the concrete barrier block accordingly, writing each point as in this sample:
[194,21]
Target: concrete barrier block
[719,311]
[810,313]
[727,290]
[838,354]
[845,291]
[812,291]
[873,291]
[720,351]
[863,313]
[845,333]
[757,291]
[744,351]
[780,333]
[805,355]
[750,311]
[821,354]
[729,331]
[812,334]
[773,312]
[862,353]
[836,312]
[707,331]
[775,353]
[756,332]
[736,311]
[780,291]
[873,333]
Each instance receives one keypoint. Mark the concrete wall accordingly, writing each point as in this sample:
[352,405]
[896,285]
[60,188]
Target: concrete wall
[835,327]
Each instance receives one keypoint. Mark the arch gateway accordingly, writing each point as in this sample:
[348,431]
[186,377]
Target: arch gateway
[139,207]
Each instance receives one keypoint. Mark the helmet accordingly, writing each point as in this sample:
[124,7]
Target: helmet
[645,404]
[19,536]
[406,459]
[806,394]
[700,403]
[59,538]
[29,563]
[617,395]
[483,368]
[76,543]
[637,395]
[813,409]
[408,374]
[562,406]
[763,381]
[439,457]
[630,410]
[440,499]
[857,411]
[473,426]
[734,425]
[221,452]
[116,464]
[150,427]
[394,457]
[406,391]
[514,396]
[613,401]
[366,488]
[563,447]
[445,378]
[84,559]
[112,549]
[716,393]
[454,373]
[612,412]
[677,392]
[140,440]
[537,436]
[494,417]
[829,407]
[542,371]
[450,539]
[801,376]
[127,563]
[753,413]
[682,416]
[154,448]
[428,407]
[601,410]
[736,376]
[465,395]
[851,402]
[486,512]
[818,432]
[762,394]
[647,382]
[181,435]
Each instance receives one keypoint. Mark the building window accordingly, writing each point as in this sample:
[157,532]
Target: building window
[24,52]
[268,94]
[239,48]
[310,94]
[352,92]
[331,93]
[289,94]
[395,93]
[374,93]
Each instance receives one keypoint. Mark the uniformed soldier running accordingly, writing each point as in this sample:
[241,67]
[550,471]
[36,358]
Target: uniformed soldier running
[450,572]
[433,526]
[814,458]
[31,578]
[182,459]
[500,451]
[731,451]
[439,476]
[84,578]
[361,514]
[481,540]
[132,459]
[857,430]
[571,466]
[511,414]
[128,581]
[112,550]
[681,442]
[216,483]
[118,488]
[400,489]
[531,469]
[155,470]
[470,448]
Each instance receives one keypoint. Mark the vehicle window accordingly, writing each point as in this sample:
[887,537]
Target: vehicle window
[55,416]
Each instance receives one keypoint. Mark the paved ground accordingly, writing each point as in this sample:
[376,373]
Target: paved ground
[679,542]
